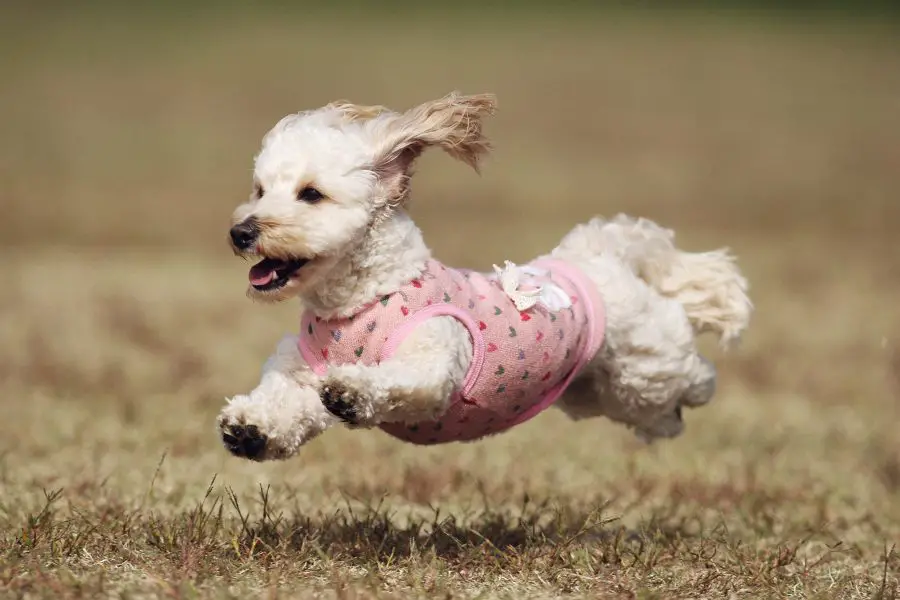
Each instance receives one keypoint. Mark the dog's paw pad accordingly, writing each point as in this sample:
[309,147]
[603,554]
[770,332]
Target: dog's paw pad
[340,402]
[245,441]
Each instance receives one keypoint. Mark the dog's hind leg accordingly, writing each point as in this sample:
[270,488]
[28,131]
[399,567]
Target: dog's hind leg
[594,395]
[648,367]
[657,299]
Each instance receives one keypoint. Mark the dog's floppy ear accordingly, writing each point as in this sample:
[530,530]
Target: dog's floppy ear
[452,123]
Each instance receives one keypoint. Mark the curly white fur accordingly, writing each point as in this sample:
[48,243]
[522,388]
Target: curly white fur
[359,243]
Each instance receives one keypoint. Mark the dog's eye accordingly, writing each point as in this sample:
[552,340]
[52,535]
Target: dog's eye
[258,191]
[309,194]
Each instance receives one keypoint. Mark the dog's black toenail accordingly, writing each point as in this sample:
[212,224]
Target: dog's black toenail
[678,412]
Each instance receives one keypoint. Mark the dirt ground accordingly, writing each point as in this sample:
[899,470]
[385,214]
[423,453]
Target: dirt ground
[125,142]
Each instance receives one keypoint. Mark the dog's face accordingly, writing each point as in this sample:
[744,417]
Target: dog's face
[311,199]
[323,177]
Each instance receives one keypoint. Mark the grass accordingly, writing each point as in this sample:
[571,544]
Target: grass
[127,141]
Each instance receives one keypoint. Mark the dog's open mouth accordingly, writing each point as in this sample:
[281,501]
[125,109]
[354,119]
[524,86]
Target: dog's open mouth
[273,273]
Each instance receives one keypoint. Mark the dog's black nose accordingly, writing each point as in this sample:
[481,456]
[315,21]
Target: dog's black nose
[244,234]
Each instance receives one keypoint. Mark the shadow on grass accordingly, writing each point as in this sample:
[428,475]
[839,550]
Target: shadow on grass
[223,538]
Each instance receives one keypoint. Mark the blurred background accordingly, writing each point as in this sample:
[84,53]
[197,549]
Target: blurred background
[127,134]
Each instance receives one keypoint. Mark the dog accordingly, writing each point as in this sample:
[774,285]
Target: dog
[604,324]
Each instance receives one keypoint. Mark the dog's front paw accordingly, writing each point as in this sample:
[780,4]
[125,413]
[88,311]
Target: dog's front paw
[244,433]
[347,404]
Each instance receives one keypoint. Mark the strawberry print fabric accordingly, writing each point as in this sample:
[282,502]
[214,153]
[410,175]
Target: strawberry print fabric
[522,360]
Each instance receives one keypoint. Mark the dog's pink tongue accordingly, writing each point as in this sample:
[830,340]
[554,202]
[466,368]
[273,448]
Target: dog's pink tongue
[262,273]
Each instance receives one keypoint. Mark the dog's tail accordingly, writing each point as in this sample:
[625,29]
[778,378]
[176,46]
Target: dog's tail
[708,284]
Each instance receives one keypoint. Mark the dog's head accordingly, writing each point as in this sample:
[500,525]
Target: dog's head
[323,177]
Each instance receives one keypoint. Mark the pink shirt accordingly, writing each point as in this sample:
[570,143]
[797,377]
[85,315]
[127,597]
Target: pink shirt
[522,360]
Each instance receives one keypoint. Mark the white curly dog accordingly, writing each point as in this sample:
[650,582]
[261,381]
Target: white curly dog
[603,325]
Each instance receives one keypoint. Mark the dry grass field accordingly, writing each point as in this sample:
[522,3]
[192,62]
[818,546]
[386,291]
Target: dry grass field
[127,139]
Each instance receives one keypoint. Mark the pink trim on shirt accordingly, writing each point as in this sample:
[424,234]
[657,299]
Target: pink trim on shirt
[440,310]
